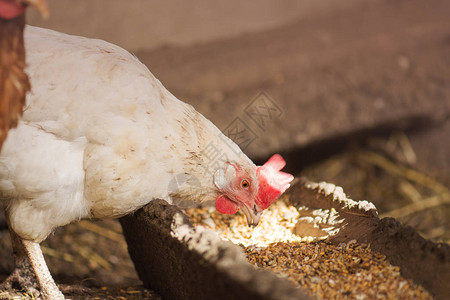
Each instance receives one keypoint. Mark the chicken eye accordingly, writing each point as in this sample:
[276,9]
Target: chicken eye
[244,184]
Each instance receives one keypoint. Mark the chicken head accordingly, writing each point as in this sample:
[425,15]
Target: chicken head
[251,191]
[10,9]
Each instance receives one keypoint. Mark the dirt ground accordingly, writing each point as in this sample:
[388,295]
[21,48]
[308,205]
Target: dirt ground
[405,172]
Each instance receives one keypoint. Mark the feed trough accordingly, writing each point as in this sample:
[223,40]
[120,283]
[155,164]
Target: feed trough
[181,261]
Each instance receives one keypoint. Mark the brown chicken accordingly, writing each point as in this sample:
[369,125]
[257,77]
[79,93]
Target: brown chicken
[14,83]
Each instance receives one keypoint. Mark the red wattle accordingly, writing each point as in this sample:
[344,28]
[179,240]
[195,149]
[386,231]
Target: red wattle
[226,206]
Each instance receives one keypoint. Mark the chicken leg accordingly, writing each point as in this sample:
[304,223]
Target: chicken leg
[29,262]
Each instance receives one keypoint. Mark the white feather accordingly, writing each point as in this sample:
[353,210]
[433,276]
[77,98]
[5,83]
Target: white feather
[100,137]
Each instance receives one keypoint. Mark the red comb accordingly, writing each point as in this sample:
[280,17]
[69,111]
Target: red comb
[272,182]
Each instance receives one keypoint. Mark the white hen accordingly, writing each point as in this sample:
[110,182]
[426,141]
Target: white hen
[101,137]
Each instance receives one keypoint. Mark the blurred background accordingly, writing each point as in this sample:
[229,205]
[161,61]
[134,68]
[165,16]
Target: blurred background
[352,92]
[142,25]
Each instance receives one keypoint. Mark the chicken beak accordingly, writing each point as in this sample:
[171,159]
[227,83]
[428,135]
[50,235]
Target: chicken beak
[252,215]
[41,6]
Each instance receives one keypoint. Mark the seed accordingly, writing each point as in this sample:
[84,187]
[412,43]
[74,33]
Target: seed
[347,271]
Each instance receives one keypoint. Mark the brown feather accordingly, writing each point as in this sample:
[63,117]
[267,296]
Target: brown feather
[14,83]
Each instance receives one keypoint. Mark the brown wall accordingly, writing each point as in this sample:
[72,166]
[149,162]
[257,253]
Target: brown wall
[145,24]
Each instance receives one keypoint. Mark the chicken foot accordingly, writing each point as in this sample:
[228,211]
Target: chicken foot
[31,271]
